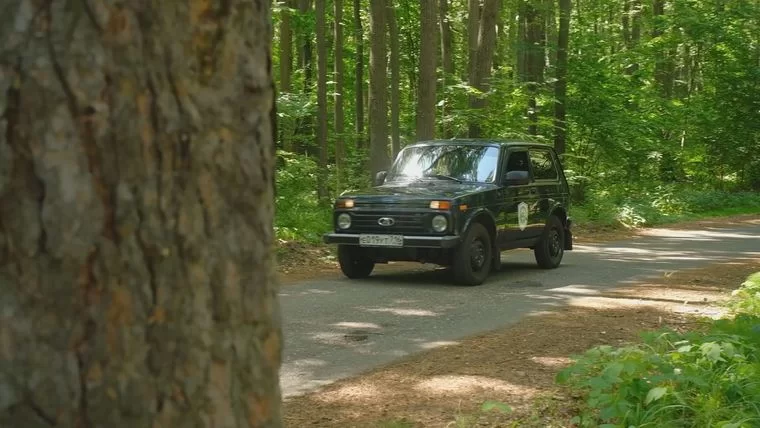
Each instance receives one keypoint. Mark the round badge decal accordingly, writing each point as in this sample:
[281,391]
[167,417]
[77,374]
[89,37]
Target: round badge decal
[522,215]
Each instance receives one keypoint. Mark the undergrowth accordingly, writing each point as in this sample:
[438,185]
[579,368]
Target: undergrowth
[708,378]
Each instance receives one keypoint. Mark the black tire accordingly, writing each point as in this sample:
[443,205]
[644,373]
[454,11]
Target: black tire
[474,258]
[353,262]
[551,246]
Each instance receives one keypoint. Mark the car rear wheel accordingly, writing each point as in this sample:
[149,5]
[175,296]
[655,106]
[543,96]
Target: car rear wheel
[551,246]
[473,260]
[353,262]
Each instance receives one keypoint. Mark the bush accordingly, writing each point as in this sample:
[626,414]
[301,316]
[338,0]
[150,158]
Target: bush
[707,378]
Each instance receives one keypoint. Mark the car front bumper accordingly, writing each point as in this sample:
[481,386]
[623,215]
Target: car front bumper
[409,241]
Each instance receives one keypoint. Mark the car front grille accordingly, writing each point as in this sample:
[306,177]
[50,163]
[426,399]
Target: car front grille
[403,223]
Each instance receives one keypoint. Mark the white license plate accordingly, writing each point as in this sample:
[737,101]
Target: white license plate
[381,240]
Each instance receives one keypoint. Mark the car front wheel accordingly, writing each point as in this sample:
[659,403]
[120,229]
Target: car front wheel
[473,260]
[353,262]
[551,246]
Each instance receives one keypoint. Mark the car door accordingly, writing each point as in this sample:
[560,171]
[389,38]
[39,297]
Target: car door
[547,185]
[519,201]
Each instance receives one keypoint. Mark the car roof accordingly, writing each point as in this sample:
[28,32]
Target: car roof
[478,142]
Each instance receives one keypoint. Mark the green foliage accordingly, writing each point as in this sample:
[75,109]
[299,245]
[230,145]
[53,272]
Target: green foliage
[709,378]
[300,215]
[746,299]
[637,206]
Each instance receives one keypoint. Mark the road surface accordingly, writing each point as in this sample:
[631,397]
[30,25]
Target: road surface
[336,328]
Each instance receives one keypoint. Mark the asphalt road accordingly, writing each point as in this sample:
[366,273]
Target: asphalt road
[337,328]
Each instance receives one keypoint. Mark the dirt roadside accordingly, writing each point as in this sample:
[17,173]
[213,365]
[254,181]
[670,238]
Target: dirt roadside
[446,386]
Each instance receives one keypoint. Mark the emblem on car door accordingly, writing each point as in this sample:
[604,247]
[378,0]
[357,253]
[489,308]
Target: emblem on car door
[386,221]
[522,215]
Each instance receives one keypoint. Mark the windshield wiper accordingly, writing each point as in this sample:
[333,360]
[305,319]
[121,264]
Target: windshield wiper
[444,177]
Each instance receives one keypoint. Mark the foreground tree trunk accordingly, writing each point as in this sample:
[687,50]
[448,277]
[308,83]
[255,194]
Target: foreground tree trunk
[136,187]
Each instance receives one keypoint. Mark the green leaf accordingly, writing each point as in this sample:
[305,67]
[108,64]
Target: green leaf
[711,351]
[495,405]
[655,394]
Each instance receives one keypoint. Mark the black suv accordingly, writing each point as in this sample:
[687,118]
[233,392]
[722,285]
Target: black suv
[457,203]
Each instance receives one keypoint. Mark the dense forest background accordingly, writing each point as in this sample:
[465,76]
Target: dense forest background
[654,104]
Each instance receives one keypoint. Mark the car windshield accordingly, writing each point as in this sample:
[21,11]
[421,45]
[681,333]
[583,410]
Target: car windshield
[472,163]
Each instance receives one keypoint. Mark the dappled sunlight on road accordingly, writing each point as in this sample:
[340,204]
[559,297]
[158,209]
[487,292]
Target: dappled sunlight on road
[466,385]
[697,235]
[405,312]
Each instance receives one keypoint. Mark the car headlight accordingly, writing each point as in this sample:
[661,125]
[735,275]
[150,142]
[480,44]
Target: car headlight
[344,221]
[440,223]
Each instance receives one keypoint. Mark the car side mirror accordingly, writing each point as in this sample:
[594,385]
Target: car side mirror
[380,177]
[517,178]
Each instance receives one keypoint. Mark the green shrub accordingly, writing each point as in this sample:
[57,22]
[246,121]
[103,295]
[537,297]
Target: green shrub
[299,214]
[709,379]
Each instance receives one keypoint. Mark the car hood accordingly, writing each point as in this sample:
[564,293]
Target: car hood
[417,190]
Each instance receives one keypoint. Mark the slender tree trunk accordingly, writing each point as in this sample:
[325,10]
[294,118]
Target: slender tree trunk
[473,29]
[359,75]
[136,206]
[339,117]
[395,81]
[532,58]
[486,47]
[447,56]
[286,69]
[305,130]
[560,86]
[378,101]
[428,62]
[447,39]
[321,25]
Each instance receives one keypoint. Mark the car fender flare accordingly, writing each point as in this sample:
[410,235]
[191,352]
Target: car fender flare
[479,212]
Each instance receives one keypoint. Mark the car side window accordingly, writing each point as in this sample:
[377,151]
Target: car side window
[543,164]
[517,161]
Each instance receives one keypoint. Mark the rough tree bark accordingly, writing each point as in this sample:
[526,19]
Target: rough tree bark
[320,10]
[359,74]
[136,187]
[395,66]
[428,62]
[378,100]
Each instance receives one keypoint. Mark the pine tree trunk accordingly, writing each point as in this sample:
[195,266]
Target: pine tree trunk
[359,75]
[339,83]
[136,188]
[319,7]
[428,62]
[560,86]
[395,80]
[378,101]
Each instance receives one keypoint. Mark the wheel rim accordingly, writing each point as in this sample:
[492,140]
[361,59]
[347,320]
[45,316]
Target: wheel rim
[555,244]
[477,255]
